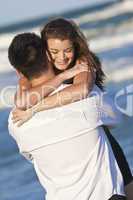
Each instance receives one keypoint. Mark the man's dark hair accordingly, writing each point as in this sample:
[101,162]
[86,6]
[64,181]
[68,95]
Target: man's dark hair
[26,54]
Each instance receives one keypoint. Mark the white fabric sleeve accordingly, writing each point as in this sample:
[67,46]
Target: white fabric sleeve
[14,131]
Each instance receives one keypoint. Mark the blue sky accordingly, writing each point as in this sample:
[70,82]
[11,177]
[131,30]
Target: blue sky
[17,10]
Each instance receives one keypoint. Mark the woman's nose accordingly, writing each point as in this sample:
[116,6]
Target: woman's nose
[62,55]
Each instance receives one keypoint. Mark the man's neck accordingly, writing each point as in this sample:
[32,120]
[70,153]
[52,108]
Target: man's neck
[44,78]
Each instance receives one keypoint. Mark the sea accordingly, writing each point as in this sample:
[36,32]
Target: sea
[108,27]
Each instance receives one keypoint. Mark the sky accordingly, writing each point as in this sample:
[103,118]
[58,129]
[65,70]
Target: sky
[12,11]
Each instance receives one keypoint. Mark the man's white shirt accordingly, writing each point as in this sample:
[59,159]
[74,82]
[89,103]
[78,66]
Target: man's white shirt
[70,151]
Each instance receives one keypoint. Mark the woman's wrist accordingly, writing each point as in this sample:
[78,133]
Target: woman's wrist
[62,77]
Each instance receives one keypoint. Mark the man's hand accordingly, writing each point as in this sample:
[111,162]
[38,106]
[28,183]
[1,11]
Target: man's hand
[21,116]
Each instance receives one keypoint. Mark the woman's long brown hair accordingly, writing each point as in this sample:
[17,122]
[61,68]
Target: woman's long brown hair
[63,29]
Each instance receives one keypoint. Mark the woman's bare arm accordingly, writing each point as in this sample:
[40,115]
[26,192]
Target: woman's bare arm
[27,98]
[82,85]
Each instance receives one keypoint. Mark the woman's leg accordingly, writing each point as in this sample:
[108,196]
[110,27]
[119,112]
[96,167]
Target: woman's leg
[118,197]
[122,163]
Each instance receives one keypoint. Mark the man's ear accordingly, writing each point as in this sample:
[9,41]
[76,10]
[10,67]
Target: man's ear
[19,74]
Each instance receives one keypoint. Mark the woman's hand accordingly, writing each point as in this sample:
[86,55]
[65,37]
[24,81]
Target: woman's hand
[21,116]
[77,69]
[83,60]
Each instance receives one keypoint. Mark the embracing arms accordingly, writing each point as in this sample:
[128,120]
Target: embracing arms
[83,81]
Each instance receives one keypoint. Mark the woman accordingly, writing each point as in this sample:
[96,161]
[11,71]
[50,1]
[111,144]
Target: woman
[66,46]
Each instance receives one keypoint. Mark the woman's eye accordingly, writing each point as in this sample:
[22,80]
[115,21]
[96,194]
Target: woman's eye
[53,52]
[68,50]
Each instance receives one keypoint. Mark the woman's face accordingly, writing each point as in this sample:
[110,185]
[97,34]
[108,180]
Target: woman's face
[62,52]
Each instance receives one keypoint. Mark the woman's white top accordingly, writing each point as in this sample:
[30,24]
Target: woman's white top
[70,152]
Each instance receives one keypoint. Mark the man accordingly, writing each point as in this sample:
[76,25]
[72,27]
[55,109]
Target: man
[70,153]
